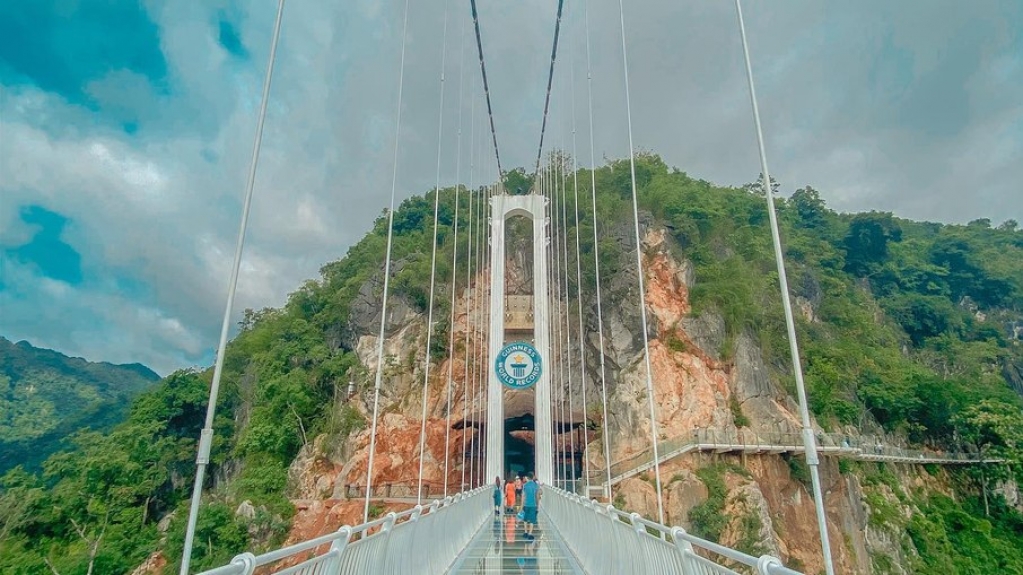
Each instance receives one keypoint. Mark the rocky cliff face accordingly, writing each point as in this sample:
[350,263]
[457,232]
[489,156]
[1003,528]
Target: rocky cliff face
[768,509]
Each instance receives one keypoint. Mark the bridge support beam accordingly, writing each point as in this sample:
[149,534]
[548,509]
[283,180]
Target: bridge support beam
[502,207]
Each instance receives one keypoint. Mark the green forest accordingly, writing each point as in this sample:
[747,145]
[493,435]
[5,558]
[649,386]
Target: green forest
[46,396]
[919,327]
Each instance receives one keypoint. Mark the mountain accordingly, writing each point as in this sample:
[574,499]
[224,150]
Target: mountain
[46,396]
[910,331]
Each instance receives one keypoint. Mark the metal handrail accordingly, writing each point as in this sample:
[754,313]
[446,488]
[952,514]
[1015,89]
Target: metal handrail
[364,548]
[609,541]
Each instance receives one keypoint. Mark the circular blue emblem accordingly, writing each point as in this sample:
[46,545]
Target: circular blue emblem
[518,366]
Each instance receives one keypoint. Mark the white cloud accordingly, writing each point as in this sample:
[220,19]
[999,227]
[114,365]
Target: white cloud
[162,206]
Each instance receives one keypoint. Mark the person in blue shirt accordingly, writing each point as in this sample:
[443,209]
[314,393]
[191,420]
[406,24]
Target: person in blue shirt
[497,495]
[530,505]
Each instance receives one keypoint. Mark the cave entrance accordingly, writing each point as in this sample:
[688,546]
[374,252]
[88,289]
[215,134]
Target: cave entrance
[519,446]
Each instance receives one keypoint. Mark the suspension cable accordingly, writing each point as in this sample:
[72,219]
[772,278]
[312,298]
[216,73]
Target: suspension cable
[478,319]
[809,442]
[468,302]
[451,345]
[639,274]
[553,323]
[206,435]
[565,268]
[454,264]
[550,81]
[556,270]
[606,436]
[387,276]
[486,86]
[568,312]
[433,263]
[579,289]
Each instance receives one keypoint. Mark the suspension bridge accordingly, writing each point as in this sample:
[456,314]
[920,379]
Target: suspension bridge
[526,384]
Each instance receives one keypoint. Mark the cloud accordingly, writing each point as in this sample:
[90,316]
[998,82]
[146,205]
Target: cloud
[135,123]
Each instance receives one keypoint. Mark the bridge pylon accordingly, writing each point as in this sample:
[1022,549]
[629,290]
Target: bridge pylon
[532,207]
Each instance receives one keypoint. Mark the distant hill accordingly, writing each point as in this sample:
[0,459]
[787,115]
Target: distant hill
[45,396]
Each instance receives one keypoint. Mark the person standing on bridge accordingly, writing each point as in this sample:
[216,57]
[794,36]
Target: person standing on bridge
[530,505]
[509,496]
[497,495]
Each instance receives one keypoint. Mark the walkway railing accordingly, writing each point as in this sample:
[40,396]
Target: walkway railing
[608,541]
[419,540]
[748,441]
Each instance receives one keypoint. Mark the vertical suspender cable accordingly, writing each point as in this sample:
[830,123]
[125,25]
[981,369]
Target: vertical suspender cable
[579,291]
[605,434]
[433,263]
[566,409]
[454,265]
[566,350]
[387,276]
[809,442]
[451,345]
[206,435]
[639,273]
[556,290]
[468,301]
[565,268]
[478,331]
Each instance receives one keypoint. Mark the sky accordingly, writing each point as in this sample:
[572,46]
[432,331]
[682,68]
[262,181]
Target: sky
[126,128]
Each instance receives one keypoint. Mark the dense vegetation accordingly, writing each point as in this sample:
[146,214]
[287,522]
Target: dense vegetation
[915,326]
[45,396]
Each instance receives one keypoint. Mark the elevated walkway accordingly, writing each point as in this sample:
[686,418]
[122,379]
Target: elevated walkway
[742,441]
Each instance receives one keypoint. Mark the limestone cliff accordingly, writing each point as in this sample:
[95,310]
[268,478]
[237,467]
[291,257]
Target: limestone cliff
[764,500]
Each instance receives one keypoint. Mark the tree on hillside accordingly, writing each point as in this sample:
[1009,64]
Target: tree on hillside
[810,208]
[757,187]
[516,182]
[866,243]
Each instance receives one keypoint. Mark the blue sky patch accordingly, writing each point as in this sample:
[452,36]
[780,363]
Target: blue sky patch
[46,250]
[229,38]
[62,46]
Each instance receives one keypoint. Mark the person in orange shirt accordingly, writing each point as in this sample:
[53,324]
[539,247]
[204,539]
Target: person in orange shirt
[509,496]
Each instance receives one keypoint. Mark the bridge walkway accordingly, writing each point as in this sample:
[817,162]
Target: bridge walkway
[501,547]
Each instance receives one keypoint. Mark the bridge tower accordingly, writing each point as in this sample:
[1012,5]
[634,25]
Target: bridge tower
[503,207]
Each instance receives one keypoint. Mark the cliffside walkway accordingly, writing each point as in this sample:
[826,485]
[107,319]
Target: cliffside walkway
[760,443]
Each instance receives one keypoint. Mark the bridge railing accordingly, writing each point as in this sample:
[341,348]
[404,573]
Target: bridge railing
[424,539]
[608,541]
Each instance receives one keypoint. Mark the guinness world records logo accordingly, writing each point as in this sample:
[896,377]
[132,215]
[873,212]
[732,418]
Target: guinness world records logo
[518,365]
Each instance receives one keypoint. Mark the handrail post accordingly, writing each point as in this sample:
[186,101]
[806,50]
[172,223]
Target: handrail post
[247,562]
[685,548]
[339,546]
[766,563]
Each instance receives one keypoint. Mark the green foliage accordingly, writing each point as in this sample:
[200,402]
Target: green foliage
[798,468]
[708,519]
[737,415]
[46,396]
[218,537]
[954,539]
[116,485]
[866,243]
